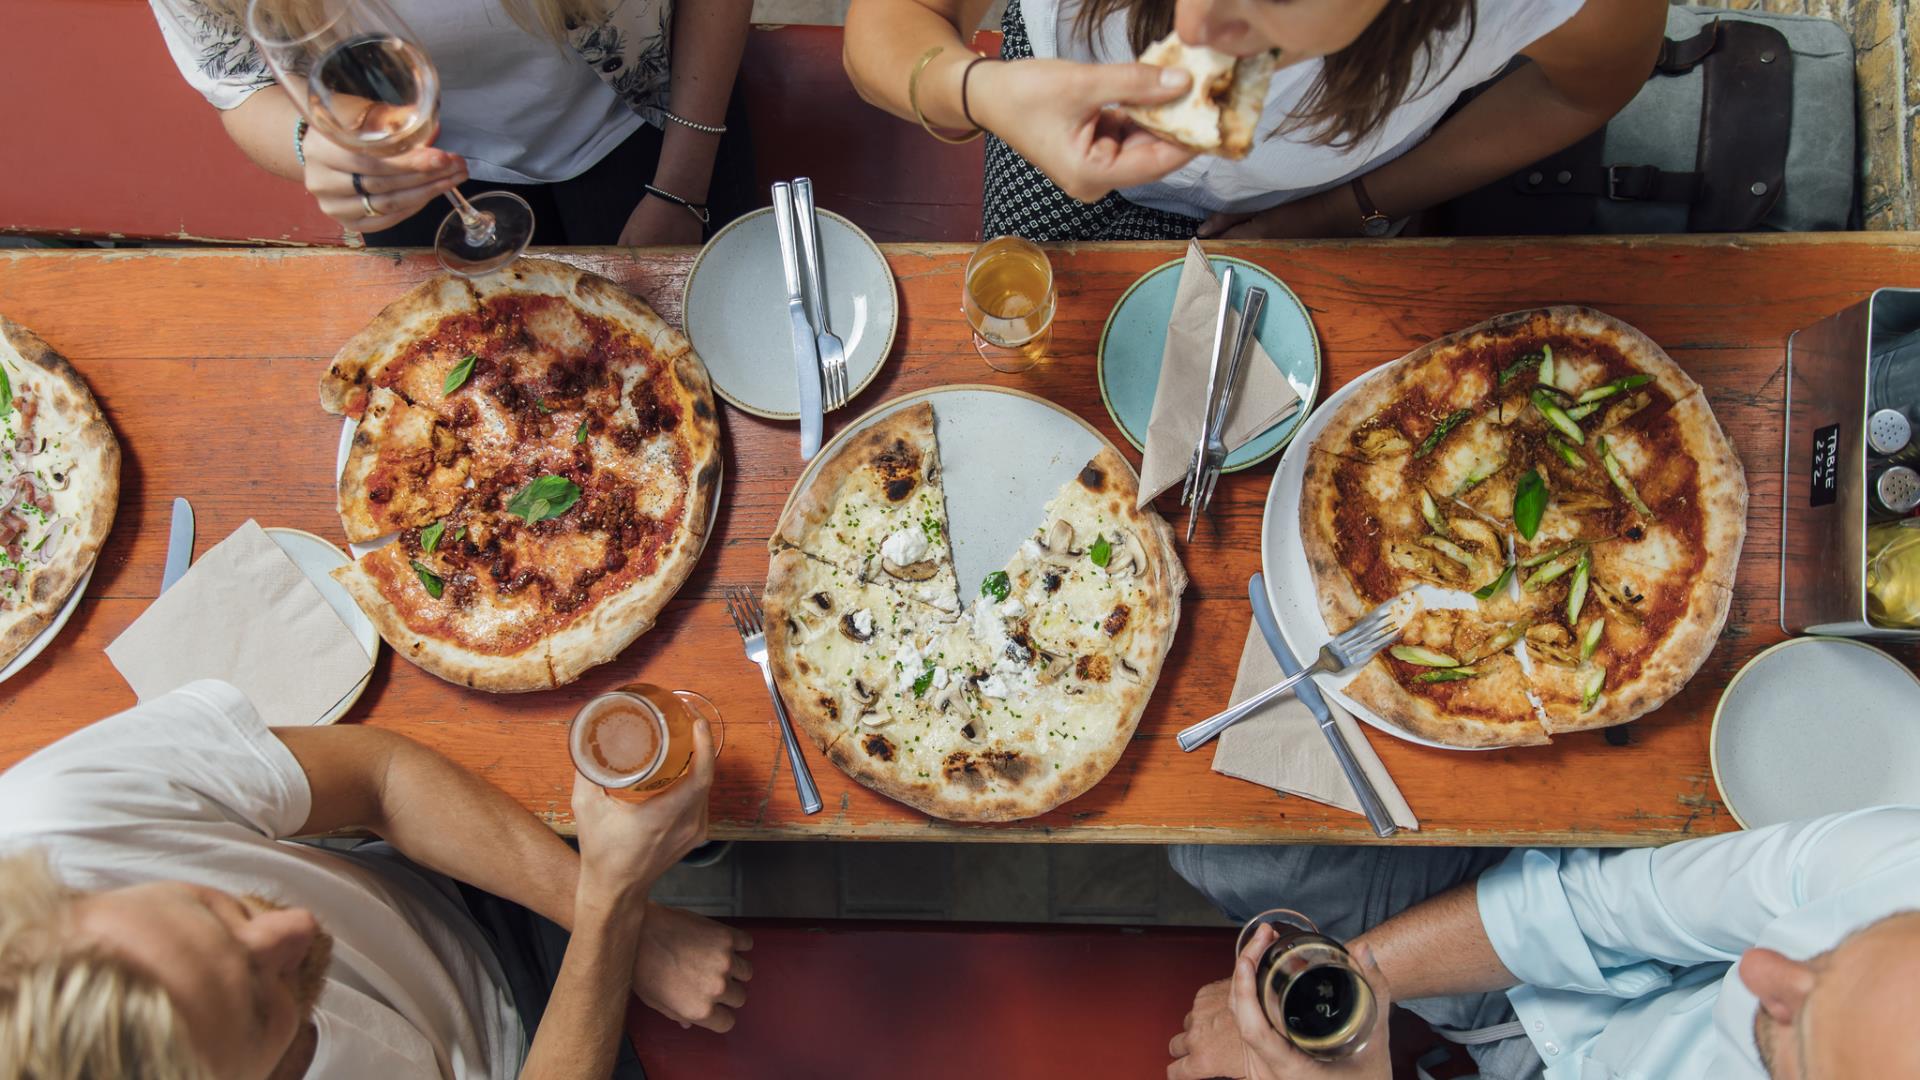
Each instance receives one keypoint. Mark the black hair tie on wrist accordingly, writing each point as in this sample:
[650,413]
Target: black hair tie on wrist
[964,77]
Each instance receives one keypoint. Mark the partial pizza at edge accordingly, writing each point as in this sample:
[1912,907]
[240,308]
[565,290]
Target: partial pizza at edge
[59,485]
[1456,421]
[546,449]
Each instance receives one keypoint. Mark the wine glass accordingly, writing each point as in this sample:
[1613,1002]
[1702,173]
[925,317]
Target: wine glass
[1008,299]
[359,75]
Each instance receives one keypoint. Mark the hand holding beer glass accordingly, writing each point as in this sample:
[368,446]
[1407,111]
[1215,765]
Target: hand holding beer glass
[1305,1006]
[646,739]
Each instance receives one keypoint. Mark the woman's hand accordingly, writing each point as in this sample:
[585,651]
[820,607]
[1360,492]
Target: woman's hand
[657,221]
[1331,213]
[689,968]
[396,186]
[1055,114]
[626,846]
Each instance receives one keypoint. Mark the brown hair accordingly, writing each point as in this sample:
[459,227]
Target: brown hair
[1358,86]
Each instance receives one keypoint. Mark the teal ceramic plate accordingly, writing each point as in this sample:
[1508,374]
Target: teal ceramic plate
[1136,335]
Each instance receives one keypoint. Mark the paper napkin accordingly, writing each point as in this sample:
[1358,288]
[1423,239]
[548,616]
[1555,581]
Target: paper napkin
[245,614]
[1179,400]
[1281,745]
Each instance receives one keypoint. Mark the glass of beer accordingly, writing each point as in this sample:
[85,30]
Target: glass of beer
[1310,989]
[639,737]
[1009,303]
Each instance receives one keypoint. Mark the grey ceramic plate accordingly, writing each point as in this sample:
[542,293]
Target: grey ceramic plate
[1003,455]
[735,310]
[1813,726]
[316,558]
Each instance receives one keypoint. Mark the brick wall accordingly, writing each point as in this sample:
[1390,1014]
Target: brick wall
[1886,42]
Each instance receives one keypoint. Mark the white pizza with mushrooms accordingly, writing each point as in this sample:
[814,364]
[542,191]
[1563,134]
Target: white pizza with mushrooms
[997,708]
[59,484]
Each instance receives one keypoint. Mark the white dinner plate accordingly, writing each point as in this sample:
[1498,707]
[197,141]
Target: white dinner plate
[1004,454]
[45,637]
[316,558]
[340,469]
[1283,560]
[735,310]
[1816,725]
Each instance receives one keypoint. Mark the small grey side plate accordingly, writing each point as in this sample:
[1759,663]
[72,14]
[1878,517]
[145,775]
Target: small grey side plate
[735,310]
[1003,455]
[45,638]
[1817,725]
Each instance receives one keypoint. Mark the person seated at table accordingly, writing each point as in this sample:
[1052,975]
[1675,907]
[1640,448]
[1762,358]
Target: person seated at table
[155,922]
[609,118]
[1791,952]
[1358,110]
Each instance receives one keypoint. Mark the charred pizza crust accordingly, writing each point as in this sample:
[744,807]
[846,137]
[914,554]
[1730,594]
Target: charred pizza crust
[87,460]
[587,384]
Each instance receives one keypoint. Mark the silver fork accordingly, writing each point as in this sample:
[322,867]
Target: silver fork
[833,351]
[1216,453]
[747,618]
[1362,641]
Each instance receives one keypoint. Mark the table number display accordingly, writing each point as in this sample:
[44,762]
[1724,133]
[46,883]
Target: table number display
[1825,467]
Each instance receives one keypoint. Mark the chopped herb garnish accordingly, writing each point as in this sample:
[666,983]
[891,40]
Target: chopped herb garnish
[6,393]
[1485,592]
[544,408]
[545,497]
[996,585]
[1433,438]
[925,680]
[459,534]
[458,377]
[429,579]
[430,536]
[1100,551]
[1529,503]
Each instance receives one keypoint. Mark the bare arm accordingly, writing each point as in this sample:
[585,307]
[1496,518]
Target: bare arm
[1438,947]
[579,1032]
[262,127]
[708,38]
[452,821]
[1582,74]
[885,38]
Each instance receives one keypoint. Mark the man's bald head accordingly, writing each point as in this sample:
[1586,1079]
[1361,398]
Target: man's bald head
[1845,1013]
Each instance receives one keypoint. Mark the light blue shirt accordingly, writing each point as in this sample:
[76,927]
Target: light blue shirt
[1629,958]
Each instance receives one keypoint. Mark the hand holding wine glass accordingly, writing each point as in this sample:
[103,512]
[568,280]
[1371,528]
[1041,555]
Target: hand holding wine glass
[361,79]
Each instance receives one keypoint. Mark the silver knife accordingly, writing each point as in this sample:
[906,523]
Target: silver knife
[179,544]
[1376,810]
[806,353]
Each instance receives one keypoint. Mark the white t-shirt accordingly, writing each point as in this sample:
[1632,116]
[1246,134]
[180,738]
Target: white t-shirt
[1283,168]
[519,107]
[193,787]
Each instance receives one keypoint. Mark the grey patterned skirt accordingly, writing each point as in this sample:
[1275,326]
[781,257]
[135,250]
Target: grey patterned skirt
[1019,200]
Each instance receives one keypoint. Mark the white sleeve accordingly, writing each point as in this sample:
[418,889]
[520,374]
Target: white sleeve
[197,755]
[212,50]
[1617,922]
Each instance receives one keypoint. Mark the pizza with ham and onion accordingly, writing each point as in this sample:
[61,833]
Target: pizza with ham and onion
[543,450]
[1566,484]
[59,484]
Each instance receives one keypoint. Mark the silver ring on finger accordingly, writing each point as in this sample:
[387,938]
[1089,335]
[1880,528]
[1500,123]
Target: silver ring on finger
[367,202]
[360,185]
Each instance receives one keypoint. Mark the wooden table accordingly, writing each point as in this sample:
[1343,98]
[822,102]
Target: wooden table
[207,364]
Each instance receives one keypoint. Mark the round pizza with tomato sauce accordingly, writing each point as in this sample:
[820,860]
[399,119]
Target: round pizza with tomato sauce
[1566,489]
[543,452]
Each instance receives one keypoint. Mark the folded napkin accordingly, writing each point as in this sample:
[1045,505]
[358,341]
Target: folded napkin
[1179,400]
[1281,745]
[245,614]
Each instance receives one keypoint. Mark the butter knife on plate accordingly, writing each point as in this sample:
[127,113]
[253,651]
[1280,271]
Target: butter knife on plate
[806,352]
[1377,813]
[179,544]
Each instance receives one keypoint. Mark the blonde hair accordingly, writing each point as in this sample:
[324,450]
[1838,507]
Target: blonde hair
[551,18]
[71,1012]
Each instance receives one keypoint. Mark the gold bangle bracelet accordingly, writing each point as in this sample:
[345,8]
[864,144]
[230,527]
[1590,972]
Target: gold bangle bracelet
[913,99]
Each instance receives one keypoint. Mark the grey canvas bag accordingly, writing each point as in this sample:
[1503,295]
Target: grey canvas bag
[1747,123]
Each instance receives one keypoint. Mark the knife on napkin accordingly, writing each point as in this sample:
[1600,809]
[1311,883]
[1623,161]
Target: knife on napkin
[806,352]
[1377,813]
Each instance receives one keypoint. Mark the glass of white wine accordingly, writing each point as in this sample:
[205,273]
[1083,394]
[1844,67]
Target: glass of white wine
[1008,301]
[359,75]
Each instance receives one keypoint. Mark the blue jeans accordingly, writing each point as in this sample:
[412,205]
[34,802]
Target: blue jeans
[1346,890]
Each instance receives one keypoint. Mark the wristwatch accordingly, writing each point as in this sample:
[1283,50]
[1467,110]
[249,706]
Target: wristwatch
[1372,221]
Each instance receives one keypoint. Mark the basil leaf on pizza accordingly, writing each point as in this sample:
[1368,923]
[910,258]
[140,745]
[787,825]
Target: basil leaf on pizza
[433,583]
[544,497]
[458,377]
[430,536]
[6,393]
[995,585]
[1529,503]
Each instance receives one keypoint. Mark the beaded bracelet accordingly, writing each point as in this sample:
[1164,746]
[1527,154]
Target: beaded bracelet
[710,129]
[698,210]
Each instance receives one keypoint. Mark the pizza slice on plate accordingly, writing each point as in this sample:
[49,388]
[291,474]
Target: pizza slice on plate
[1453,679]
[876,509]
[405,468]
